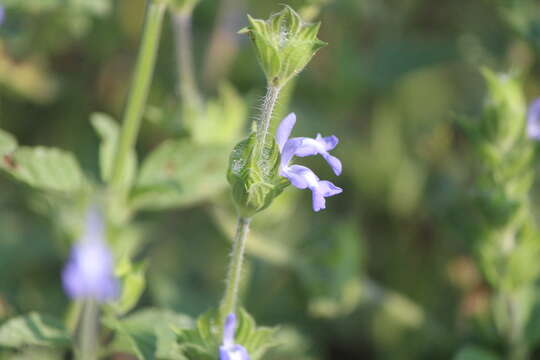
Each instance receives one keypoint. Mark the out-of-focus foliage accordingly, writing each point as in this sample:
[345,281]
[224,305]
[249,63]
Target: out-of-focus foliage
[388,271]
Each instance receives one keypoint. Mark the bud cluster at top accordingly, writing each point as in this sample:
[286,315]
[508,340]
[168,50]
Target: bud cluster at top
[284,44]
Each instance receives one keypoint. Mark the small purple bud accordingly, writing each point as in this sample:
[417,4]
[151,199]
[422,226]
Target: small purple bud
[228,349]
[89,272]
[301,176]
[2,14]
[533,120]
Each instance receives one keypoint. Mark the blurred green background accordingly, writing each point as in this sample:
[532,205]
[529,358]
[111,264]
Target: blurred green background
[387,271]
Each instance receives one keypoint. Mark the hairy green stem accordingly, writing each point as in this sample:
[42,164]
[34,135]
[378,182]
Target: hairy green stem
[139,91]
[187,85]
[234,274]
[269,104]
[88,331]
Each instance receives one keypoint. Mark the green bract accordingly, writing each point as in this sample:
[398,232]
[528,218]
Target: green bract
[203,340]
[253,175]
[284,44]
[503,122]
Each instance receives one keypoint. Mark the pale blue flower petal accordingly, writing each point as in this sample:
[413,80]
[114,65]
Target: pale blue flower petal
[290,149]
[300,176]
[284,130]
[330,142]
[533,120]
[323,190]
[229,329]
[334,163]
[235,352]
[308,147]
[304,146]
[229,350]
[329,189]
[89,272]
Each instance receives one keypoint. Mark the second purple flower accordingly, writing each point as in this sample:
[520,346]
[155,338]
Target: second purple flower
[301,176]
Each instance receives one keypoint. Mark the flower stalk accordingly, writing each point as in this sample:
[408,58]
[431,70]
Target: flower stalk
[88,335]
[139,91]
[234,273]
[518,348]
[187,86]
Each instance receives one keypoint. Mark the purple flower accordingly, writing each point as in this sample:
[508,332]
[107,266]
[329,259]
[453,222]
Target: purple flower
[89,272]
[228,349]
[301,176]
[533,120]
[2,14]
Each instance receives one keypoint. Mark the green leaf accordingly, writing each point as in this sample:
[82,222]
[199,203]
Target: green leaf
[225,117]
[202,342]
[44,168]
[475,353]
[8,143]
[284,44]
[108,130]
[37,353]
[253,175]
[290,344]
[34,329]
[180,173]
[150,333]
[133,281]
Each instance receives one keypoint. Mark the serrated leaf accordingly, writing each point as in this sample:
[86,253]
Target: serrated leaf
[202,342]
[180,173]
[224,118]
[44,168]
[34,329]
[150,334]
[8,143]
[108,130]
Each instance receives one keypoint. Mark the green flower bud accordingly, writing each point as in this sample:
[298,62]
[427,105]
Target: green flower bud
[284,44]
[254,175]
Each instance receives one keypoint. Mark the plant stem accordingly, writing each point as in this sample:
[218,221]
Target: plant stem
[270,100]
[517,348]
[139,91]
[187,85]
[88,331]
[234,274]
